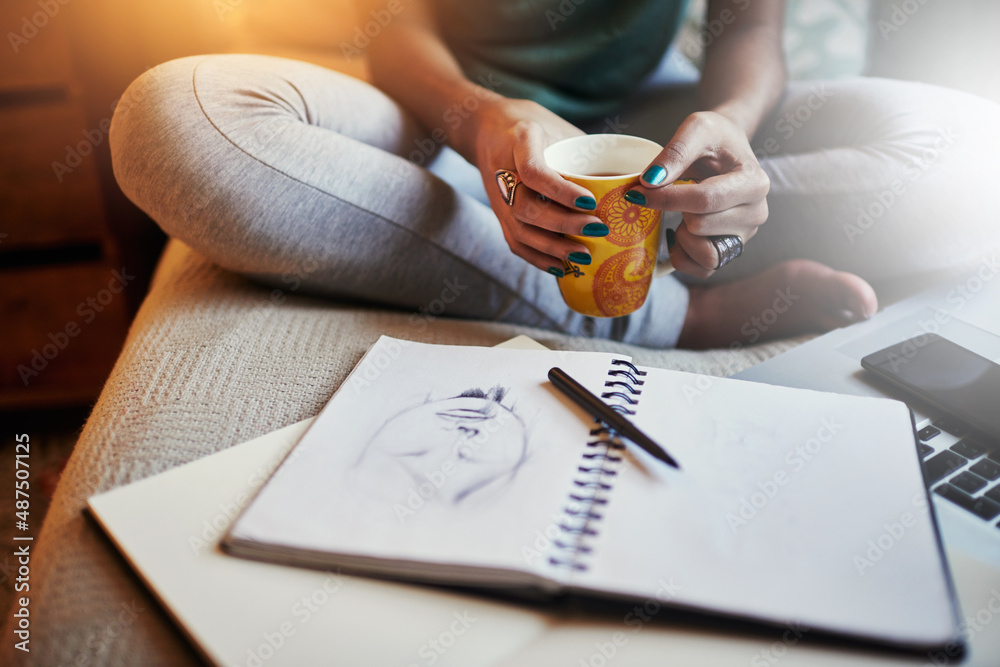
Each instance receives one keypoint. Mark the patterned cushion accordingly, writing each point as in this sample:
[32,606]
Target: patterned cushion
[823,38]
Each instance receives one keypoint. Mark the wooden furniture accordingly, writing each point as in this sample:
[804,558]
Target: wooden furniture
[65,227]
[75,255]
[63,310]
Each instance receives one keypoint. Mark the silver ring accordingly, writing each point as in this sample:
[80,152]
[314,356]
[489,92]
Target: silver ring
[507,182]
[729,248]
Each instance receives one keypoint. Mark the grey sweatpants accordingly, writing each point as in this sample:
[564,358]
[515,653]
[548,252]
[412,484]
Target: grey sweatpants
[307,179]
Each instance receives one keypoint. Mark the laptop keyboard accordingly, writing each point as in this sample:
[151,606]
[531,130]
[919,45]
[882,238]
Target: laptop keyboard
[960,469]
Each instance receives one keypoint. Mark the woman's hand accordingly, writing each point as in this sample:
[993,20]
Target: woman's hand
[411,62]
[730,199]
[512,134]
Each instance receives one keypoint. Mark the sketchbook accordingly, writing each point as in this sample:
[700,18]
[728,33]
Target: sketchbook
[464,466]
[234,611]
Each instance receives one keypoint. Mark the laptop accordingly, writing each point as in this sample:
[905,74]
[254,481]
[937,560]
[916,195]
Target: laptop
[966,310]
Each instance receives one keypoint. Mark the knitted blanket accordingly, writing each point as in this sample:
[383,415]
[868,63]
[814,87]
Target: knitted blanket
[213,360]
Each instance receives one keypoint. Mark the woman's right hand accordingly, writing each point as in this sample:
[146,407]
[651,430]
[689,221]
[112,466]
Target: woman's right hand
[411,62]
[511,135]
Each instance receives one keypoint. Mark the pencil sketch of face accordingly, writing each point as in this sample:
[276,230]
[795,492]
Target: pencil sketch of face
[459,445]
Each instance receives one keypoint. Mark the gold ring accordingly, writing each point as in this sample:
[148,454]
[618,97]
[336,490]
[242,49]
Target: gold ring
[507,181]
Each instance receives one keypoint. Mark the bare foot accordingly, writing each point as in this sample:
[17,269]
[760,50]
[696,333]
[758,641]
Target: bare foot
[795,297]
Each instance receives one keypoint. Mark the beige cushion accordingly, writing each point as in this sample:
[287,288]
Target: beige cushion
[210,362]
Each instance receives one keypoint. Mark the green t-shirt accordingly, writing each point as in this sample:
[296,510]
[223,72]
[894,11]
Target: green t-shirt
[579,58]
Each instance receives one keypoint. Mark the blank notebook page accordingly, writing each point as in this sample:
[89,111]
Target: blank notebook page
[762,504]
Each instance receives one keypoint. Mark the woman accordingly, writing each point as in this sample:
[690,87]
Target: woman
[294,174]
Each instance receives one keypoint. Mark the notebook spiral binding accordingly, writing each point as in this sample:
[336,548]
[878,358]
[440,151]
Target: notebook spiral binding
[596,472]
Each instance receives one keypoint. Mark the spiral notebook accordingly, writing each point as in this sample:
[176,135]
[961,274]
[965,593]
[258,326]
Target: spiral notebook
[464,466]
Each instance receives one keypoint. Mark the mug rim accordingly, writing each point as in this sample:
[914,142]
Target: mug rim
[617,138]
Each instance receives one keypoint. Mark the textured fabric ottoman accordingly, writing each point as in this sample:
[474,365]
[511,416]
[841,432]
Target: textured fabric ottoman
[214,360]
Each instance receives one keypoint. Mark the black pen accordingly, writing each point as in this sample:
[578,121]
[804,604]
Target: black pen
[606,414]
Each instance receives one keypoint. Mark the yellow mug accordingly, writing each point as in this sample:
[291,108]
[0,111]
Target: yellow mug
[623,263]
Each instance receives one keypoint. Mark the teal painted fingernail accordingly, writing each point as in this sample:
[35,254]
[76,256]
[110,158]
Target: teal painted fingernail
[558,273]
[671,238]
[655,175]
[635,197]
[586,203]
[596,229]
[580,258]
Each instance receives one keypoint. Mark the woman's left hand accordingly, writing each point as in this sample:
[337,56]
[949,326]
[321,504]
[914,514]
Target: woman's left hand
[729,199]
